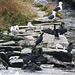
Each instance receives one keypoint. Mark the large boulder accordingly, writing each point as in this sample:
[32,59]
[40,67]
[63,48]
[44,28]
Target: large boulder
[58,63]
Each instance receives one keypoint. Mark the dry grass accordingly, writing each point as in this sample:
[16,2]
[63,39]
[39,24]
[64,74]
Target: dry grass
[21,7]
[24,7]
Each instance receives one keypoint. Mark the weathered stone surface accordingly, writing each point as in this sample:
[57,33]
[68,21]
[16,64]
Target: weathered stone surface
[14,53]
[58,63]
[32,67]
[26,50]
[11,48]
[16,63]
[26,43]
[51,50]
[9,43]
[29,38]
[62,56]
[1,41]
[17,38]
[3,64]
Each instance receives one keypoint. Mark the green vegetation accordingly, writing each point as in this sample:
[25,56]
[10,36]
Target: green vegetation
[38,5]
[31,1]
[44,8]
[13,12]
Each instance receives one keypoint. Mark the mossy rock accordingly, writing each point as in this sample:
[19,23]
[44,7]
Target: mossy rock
[6,38]
[38,5]
[44,8]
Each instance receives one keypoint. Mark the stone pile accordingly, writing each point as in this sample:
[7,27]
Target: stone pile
[15,49]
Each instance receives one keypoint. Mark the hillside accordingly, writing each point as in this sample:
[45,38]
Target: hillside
[15,12]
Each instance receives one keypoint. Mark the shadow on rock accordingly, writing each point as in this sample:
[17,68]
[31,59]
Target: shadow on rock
[62,56]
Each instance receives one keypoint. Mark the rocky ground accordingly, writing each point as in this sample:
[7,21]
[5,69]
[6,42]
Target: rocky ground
[15,49]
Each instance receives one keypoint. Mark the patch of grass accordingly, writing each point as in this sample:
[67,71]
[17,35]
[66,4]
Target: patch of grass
[30,1]
[15,12]
[6,38]
[44,8]
[38,5]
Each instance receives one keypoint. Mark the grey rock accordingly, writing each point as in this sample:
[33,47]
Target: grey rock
[17,38]
[9,43]
[1,41]
[26,50]
[15,62]
[11,48]
[26,43]
[3,64]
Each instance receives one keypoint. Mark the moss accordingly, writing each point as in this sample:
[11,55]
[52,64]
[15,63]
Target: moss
[47,14]
[59,14]
[38,5]
[44,8]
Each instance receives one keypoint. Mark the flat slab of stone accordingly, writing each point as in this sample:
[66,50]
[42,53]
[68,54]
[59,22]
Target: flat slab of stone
[22,30]
[43,20]
[22,27]
[1,41]
[11,48]
[17,63]
[29,37]
[51,39]
[9,43]
[51,50]
[26,50]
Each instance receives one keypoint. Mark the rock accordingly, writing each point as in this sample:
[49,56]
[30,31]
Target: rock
[15,62]
[32,67]
[29,37]
[37,21]
[11,48]
[25,57]
[62,56]
[26,50]
[41,59]
[14,53]
[21,31]
[1,41]
[5,32]
[4,59]
[3,64]
[17,38]
[9,43]
[58,63]
[56,46]
[26,43]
